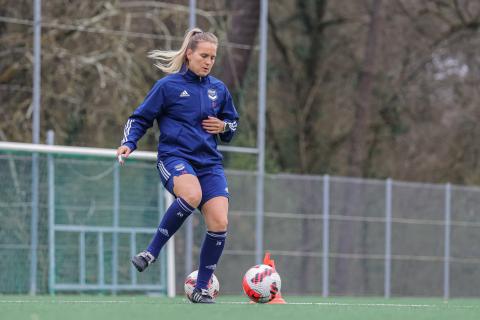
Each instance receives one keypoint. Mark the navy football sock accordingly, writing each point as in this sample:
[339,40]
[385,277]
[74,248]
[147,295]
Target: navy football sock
[174,217]
[210,253]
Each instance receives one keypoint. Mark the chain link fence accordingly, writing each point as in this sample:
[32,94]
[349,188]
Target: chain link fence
[328,235]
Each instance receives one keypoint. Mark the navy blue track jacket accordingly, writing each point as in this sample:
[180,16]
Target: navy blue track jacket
[179,102]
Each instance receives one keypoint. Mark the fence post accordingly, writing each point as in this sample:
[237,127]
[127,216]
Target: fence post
[163,255]
[81,254]
[34,226]
[171,289]
[262,105]
[101,268]
[326,235]
[388,237]
[189,223]
[189,245]
[133,251]
[37,47]
[51,215]
[116,208]
[446,263]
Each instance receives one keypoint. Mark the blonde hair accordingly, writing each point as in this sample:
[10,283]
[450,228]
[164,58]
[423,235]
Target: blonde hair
[170,61]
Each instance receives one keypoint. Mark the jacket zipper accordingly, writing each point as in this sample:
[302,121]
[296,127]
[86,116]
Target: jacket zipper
[201,101]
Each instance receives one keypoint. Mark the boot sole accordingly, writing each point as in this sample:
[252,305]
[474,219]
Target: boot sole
[139,268]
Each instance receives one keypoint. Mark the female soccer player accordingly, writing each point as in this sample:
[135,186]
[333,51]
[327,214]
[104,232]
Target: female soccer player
[193,110]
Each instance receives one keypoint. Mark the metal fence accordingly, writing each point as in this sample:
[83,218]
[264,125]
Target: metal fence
[90,222]
[328,235]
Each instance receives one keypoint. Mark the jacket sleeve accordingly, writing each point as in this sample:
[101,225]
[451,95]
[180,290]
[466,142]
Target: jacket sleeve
[143,117]
[229,115]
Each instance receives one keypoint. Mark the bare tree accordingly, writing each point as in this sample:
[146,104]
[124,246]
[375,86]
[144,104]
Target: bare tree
[359,143]
[242,30]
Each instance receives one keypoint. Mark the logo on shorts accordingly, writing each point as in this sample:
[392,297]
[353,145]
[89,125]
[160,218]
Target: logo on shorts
[163,231]
[226,189]
[180,167]
[212,94]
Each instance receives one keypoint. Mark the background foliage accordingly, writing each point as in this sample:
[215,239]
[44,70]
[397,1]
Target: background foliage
[361,88]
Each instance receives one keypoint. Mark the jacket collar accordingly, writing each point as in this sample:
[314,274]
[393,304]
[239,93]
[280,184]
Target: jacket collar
[190,76]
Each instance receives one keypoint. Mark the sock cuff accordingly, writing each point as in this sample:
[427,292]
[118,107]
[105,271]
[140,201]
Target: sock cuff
[184,205]
[217,235]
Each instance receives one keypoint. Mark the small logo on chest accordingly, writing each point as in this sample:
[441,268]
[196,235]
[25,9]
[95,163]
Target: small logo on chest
[212,94]
[184,94]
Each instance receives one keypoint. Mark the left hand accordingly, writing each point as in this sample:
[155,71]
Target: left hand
[213,125]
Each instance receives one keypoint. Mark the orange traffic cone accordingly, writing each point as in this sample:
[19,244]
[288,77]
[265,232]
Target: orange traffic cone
[270,262]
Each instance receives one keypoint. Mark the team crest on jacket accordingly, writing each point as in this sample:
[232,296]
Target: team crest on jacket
[212,94]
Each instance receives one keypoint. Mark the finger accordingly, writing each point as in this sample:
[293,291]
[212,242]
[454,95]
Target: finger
[209,122]
[210,118]
[120,160]
[210,127]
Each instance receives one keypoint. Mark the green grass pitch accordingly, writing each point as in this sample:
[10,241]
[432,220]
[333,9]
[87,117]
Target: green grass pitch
[93,307]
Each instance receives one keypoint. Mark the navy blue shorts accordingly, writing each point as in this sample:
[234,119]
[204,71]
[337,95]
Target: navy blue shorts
[212,179]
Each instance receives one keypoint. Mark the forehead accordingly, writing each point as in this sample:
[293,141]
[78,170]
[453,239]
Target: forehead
[206,47]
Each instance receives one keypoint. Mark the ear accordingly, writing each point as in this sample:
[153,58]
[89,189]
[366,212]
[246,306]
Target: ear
[189,53]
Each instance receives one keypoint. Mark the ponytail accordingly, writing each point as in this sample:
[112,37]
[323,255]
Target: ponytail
[170,61]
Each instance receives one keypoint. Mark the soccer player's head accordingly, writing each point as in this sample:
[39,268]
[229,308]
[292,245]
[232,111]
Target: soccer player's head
[201,51]
[198,52]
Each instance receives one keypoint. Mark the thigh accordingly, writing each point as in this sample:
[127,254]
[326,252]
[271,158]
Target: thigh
[179,177]
[213,183]
[215,212]
[187,186]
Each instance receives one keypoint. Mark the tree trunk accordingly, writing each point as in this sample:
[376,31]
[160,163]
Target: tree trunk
[344,272]
[242,30]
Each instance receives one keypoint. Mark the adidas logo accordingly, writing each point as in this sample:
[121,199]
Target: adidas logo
[180,214]
[211,267]
[184,94]
[163,231]
[219,243]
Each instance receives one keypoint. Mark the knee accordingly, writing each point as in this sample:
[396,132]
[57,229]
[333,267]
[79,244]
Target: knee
[219,224]
[192,197]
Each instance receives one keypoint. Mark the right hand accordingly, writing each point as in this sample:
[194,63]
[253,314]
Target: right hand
[123,152]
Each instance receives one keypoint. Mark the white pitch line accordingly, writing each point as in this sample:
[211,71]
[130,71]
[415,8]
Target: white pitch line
[67,302]
[334,304]
[340,304]
[367,304]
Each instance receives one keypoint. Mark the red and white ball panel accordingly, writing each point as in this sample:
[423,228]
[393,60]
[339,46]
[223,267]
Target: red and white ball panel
[261,283]
[191,281]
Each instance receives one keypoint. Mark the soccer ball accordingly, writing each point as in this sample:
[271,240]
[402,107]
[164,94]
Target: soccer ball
[191,281]
[261,283]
